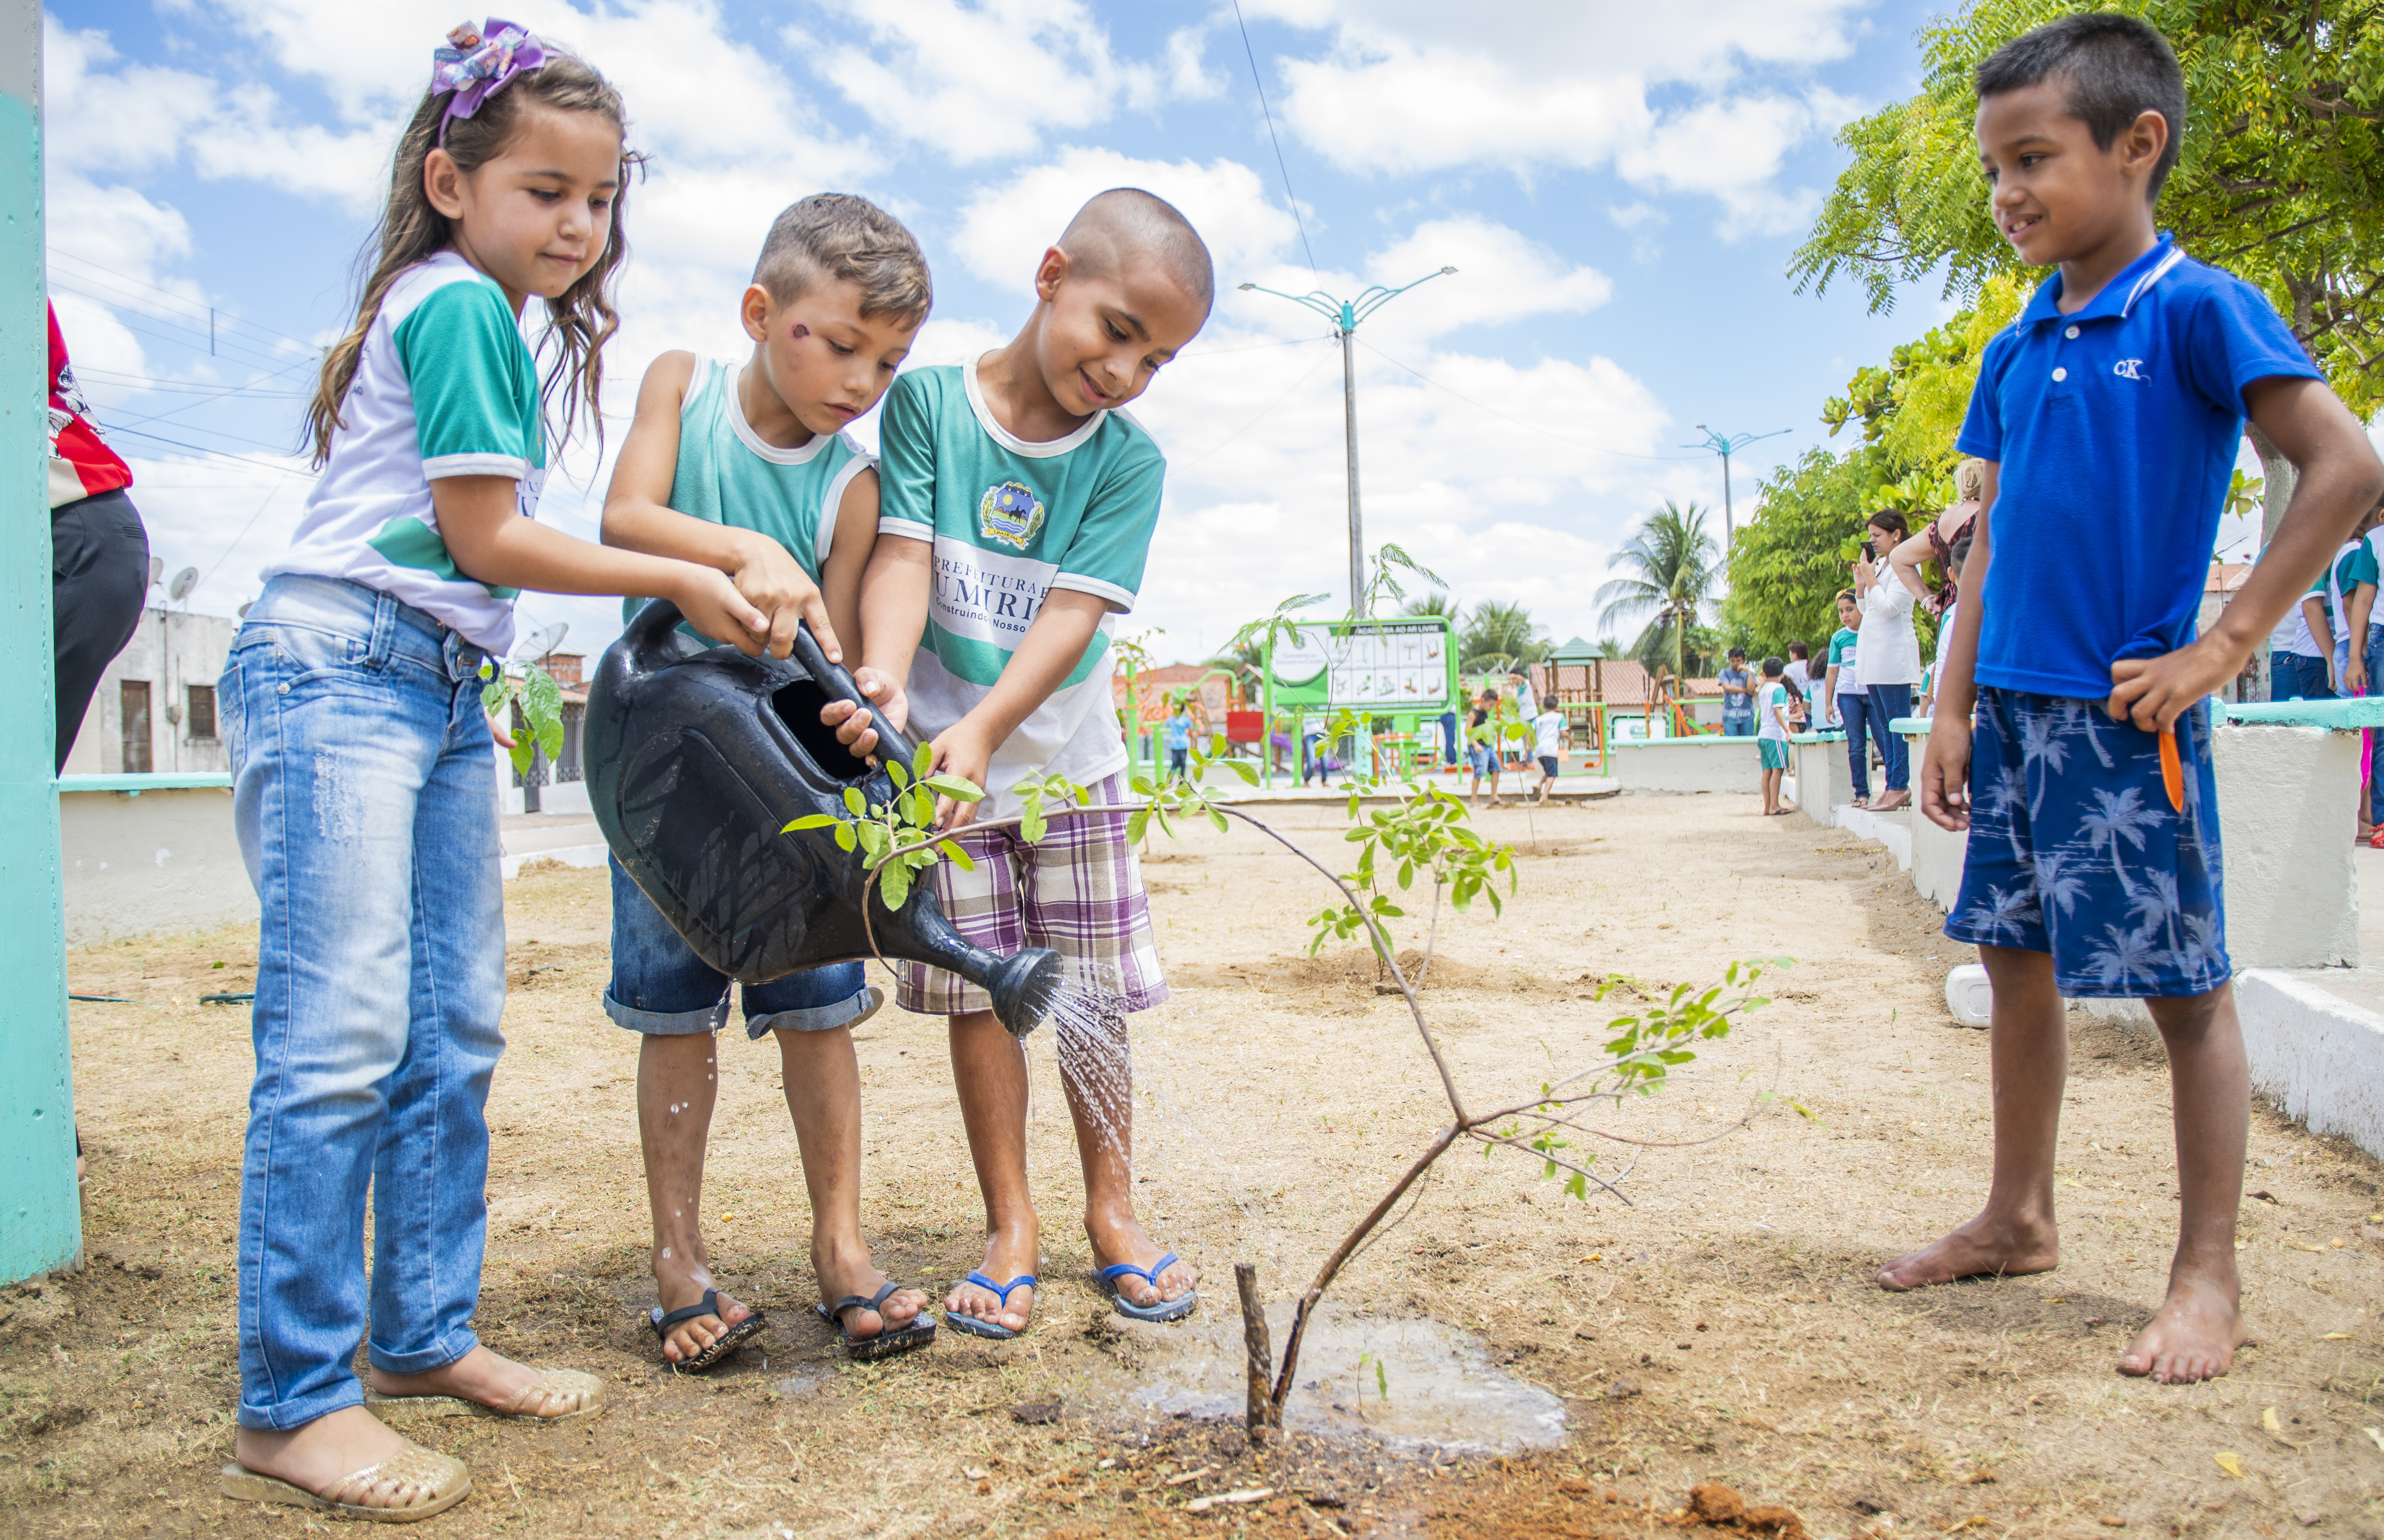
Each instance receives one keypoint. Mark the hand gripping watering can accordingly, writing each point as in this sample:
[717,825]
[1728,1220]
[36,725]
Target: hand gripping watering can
[698,757]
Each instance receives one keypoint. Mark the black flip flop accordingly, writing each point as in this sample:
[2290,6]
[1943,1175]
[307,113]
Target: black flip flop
[886,1344]
[724,1347]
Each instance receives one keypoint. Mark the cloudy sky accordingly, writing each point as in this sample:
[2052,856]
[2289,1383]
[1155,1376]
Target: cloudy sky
[1619,185]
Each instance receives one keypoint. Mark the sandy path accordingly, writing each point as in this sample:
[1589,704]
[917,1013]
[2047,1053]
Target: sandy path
[1724,1326]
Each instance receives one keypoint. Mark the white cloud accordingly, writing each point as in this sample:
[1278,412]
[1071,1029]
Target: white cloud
[1006,227]
[1406,87]
[985,82]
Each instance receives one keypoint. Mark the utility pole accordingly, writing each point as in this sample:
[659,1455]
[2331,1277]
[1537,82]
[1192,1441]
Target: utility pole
[41,1218]
[1726,447]
[1344,314]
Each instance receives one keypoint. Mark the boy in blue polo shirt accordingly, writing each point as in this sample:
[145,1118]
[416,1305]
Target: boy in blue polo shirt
[2113,405]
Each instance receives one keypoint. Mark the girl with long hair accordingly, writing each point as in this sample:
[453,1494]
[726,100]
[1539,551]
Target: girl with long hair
[364,779]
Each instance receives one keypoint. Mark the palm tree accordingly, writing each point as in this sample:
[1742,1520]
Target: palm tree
[1670,566]
[1499,634]
[1435,603]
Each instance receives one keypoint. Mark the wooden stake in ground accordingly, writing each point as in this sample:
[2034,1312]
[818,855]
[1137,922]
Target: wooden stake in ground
[1258,1354]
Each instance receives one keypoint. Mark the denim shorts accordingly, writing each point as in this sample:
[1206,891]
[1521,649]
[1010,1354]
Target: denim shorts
[2075,850]
[660,987]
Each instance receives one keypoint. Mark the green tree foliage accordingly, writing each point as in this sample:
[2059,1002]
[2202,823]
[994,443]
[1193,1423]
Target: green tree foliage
[1669,568]
[1499,634]
[2279,177]
[1788,564]
[1435,603]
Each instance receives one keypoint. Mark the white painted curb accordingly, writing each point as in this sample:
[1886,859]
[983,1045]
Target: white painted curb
[569,856]
[2320,1056]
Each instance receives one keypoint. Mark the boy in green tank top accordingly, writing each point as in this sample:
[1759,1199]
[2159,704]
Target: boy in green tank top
[1020,500]
[749,464]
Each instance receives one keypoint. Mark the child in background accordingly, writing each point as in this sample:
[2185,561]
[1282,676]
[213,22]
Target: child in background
[2115,403]
[2344,592]
[1548,746]
[1798,678]
[1019,503]
[1178,732]
[1949,592]
[365,786]
[1482,754]
[1737,696]
[1771,733]
[1847,700]
[746,467]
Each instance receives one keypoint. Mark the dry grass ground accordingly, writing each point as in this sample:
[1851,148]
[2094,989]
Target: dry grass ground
[1723,1327]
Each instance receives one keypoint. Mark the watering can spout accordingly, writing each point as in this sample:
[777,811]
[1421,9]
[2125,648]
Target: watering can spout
[699,758]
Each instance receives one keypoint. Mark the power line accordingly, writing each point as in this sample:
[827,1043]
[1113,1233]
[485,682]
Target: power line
[1265,413]
[1254,347]
[1268,113]
[179,299]
[235,389]
[1596,449]
[213,453]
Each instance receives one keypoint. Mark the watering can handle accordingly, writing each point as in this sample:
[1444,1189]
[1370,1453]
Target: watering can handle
[893,741]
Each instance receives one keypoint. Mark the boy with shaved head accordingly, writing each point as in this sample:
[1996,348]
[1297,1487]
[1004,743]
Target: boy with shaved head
[1017,508]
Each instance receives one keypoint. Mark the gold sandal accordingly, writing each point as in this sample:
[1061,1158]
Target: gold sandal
[579,1393]
[446,1479]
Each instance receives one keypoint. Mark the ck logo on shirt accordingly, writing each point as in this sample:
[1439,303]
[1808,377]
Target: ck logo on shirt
[2129,369]
[1009,513]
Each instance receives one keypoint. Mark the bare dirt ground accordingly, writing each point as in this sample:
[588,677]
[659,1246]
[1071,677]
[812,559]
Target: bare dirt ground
[1725,1327]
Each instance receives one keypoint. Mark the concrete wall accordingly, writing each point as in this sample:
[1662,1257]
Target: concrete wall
[2320,1057]
[1818,762]
[171,652]
[1937,853]
[2286,816]
[1686,764]
[163,860]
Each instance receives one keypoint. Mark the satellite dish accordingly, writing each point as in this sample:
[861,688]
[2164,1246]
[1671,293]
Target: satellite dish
[184,581]
[540,642]
[156,570]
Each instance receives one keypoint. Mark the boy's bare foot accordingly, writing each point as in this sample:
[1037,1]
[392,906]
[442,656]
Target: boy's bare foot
[2192,1336]
[1119,1238]
[326,1451]
[841,1277]
[680,1284]
[1008,1254]
[481,1376]
[1985,1245]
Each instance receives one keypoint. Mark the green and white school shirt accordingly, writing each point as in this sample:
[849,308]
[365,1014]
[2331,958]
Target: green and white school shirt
[1009,521]
[445,386]
[729,474]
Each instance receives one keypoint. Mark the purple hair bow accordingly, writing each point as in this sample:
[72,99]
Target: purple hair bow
[479,62]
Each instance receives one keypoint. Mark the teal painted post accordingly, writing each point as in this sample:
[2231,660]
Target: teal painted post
[40,1219]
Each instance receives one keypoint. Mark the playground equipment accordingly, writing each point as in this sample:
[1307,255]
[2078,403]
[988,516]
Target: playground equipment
[699,758]
[1403,669]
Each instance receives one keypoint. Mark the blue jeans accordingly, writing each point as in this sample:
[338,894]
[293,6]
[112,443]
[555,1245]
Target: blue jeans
[1855,712]
[365,794]
[1179,762]
[1735,726]
[662,988]
[2292,677]
[1890,703]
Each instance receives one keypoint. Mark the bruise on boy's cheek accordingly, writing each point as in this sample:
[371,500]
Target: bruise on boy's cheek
[800,332]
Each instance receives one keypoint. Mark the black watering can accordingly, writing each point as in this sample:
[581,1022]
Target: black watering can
[699,757]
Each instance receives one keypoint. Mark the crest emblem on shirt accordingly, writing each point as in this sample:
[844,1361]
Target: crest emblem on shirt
[1009,513]
[2129,369]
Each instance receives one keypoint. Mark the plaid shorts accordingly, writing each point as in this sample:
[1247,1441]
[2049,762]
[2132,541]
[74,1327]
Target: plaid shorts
[1077,890]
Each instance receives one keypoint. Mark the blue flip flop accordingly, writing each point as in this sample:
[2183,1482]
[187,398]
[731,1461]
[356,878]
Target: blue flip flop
[1166,1309]
[993,1329]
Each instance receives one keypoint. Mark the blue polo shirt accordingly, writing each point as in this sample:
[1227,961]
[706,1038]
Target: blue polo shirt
[2115,432]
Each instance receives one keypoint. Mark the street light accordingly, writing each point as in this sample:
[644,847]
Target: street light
[1344,314]
[1726,447]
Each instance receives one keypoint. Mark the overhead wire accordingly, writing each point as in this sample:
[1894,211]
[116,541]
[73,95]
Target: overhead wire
[229,318]
[1267,112]
[1263,414]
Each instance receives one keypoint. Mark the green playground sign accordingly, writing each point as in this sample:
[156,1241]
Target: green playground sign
[1402,668]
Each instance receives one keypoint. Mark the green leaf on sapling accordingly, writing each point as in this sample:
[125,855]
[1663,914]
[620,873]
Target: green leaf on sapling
[813,821]
[894,885]
[855,802]
[960,789]
[960,857]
